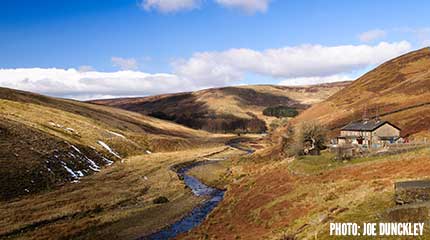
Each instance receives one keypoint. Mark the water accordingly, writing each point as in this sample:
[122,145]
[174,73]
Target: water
[198,214]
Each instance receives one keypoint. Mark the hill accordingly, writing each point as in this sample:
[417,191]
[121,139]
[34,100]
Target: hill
[226,109]
[398,91]
[45,142]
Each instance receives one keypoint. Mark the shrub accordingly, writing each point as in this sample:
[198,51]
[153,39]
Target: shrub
[160,200]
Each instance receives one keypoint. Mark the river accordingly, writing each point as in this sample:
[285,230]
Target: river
[199,213]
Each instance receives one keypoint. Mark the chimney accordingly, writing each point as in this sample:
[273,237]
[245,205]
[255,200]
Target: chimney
[365,116]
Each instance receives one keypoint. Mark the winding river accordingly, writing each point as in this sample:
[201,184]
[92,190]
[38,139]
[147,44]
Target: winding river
[199,213]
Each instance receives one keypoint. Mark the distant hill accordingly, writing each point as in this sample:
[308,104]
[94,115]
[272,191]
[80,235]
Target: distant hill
[45,142]
[226,109]
[398,91]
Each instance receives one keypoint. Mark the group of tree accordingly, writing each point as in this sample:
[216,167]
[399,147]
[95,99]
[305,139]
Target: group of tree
[280,111]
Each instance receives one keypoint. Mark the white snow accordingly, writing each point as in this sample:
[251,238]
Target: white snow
[116,134]
[80,173]
[55,125]
[93,166]
[108,162]
[76,149]
[73,174]
[109,149]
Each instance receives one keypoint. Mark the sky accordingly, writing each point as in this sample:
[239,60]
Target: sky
[87,49]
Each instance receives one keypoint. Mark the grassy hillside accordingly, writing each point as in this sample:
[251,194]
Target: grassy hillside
[45,142]
[226,109]
[116,203]
[398,91]
[300,197]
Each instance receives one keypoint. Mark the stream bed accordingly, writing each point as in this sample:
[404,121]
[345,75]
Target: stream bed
[198,214]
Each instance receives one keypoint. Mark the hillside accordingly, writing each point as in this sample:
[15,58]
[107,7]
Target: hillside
[45,142]
[226,109]
[398,91]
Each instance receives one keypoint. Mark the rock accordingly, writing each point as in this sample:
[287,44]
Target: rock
[412,192]
[410,213]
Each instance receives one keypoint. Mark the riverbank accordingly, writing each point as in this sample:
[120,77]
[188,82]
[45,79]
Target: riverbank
[115,203]
[299,197]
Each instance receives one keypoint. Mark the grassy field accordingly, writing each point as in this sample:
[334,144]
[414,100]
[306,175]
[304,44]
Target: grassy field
[115,203]
[274,199]
[217,174]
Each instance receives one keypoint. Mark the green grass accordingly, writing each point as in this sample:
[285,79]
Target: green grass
[326,161]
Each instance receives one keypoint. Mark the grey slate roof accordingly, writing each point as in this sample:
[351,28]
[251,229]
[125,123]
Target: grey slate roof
[369,125]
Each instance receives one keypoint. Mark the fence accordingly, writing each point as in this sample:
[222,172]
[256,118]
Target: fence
[345,152]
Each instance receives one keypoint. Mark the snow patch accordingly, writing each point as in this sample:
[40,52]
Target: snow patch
[92,165]
[109,149]
[70,129]
[80,173]
[62,127]
[76,149]
[116,134]
[55,125]
[108,161]
[70,171]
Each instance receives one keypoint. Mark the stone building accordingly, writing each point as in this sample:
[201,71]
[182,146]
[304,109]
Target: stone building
[369,133]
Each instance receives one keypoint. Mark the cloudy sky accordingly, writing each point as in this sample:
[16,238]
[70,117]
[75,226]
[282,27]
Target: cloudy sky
[100,49]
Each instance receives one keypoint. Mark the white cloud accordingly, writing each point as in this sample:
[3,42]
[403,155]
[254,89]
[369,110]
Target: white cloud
[168,6]
[125,63]
[306,64]
[72,83]
[289,62]
[372,35]
[315,80]
[249,6]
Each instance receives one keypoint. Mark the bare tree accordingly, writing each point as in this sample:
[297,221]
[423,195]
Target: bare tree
[309,139]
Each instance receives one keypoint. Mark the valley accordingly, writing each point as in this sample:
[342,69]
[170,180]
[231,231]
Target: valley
[227,110]
[133,168]
[117,202]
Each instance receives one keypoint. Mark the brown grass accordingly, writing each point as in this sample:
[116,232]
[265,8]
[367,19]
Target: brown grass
[267,200]
[206,108]
[396,85]
[115,203]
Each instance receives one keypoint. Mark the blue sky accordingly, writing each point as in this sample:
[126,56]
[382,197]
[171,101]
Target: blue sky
[193,44]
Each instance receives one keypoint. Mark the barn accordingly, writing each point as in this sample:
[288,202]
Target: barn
[369,133]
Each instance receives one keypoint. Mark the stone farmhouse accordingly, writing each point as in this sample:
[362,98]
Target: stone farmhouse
[369,133]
